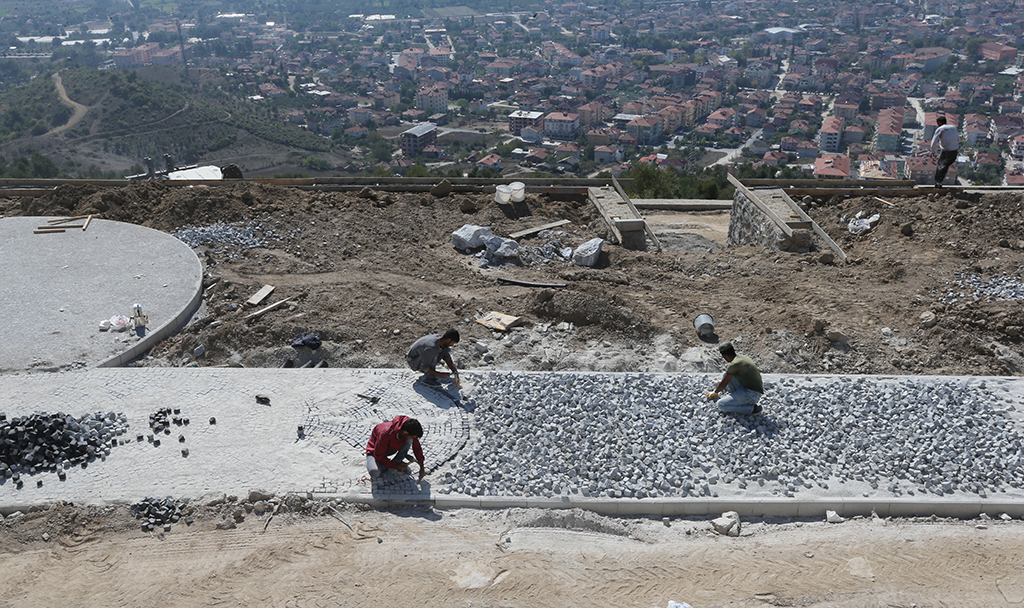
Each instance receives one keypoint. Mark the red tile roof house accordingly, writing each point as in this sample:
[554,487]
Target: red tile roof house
[832,166]
[491,161]
[775,158]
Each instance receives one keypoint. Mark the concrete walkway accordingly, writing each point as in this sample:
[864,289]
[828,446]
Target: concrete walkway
[56,288]
[236,443]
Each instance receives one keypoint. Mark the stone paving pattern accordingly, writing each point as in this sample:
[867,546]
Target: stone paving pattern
[254,445]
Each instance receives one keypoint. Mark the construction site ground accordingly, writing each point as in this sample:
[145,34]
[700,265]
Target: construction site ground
[371,272]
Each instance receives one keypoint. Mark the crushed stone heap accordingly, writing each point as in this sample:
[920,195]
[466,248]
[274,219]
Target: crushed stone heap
[647,435]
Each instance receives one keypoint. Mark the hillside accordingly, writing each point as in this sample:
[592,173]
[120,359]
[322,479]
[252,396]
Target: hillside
[148,113]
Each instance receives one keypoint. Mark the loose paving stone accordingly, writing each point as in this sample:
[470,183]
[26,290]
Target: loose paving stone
[567,436]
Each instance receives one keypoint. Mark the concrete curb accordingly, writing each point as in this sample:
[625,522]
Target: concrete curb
[658,507]
[168,329]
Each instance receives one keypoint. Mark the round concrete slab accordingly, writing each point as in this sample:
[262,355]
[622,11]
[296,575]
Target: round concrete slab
[55,289]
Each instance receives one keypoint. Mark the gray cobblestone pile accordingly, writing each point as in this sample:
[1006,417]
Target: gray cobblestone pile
[54,442]
[156,512]
[968,287]
[645,435]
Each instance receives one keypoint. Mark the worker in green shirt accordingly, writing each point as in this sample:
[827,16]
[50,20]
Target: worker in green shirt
[742,382]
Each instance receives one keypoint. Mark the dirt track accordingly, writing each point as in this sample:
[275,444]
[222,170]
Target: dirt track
[76,116]
[510,558]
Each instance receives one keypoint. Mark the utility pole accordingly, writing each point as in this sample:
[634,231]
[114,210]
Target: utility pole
[181,43]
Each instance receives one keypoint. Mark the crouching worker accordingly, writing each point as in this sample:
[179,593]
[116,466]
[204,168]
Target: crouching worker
[389,446]
[742,382]
[428,351]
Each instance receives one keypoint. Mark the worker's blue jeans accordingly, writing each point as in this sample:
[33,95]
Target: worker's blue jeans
[740,400]
[373,467]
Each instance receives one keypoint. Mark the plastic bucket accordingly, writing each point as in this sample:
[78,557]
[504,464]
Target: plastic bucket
[502,194]
[518,191]
[704,325]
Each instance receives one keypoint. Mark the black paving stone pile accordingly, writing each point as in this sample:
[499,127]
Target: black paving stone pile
[53,442]
[156,512]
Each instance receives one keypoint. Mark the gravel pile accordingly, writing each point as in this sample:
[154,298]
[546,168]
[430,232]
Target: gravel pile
[968,287]
[53,442]
[227,238]
[644,435]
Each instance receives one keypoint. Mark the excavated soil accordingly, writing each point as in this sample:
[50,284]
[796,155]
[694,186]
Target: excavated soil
[372,271]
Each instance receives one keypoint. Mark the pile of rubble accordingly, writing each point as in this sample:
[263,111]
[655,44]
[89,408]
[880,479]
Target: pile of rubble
[494,250]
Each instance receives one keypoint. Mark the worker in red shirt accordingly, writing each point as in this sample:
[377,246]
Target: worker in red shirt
[389,446]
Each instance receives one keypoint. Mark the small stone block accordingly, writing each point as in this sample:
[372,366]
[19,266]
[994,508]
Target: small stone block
[156,442]
[181,439]
[265,400]
[213,420]
[184,452]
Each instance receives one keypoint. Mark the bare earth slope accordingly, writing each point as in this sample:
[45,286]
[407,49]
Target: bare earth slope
[373,272]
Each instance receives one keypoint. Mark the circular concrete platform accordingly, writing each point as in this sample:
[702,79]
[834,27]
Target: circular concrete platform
[56,288]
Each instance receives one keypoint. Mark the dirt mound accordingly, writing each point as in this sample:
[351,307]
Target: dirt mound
[372,271]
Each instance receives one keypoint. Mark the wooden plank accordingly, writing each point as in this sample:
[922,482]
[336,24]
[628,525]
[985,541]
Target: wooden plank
[866,192]
[682,205]
[818,230]
[61,226]
[536,229]
[67,219]
[260,295]
[499,321]
[266,309]
[882,200]
[844,184]
[650,232]
[528,283]
[47,230]
[19,192]
[604,213]
[87,220]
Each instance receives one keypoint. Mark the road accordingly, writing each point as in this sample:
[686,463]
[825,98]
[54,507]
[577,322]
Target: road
[79,109]
[731,154]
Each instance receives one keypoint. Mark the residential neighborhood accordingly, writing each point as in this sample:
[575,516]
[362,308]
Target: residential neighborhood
[847,90]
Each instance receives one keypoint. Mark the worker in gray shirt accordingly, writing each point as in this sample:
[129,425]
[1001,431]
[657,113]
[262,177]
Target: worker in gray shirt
[428,351]
[947,142]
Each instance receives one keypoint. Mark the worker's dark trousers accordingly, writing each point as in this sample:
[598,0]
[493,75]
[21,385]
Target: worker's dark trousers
[946,160]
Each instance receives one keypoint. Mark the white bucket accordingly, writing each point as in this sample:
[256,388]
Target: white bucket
[518,191]
[502,194]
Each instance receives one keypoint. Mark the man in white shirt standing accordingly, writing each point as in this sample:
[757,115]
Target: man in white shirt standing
[948,140]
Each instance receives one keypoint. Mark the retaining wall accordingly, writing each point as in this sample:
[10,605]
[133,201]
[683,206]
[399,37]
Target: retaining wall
[750,225]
